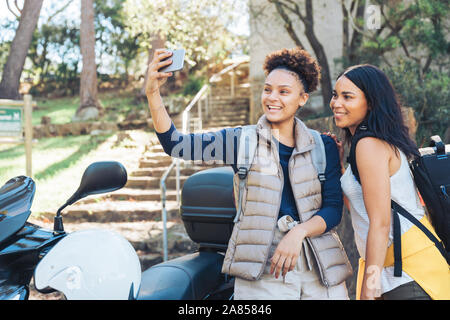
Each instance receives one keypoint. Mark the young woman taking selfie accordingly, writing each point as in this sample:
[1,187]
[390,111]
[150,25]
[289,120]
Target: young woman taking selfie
[364,103]
[307,261]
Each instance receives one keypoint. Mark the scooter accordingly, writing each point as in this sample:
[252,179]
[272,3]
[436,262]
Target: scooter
[101,264]
[83,265]
[207,210]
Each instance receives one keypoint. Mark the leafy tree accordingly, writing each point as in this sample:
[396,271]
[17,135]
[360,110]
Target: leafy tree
[52,38]
[200,27]
[29,15]
[412,46]
[113,37]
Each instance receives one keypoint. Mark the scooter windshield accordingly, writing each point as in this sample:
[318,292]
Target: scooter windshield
[16,198]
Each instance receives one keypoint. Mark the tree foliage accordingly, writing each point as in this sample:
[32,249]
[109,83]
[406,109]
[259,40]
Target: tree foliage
[412,46]
[197,26]
[54,55]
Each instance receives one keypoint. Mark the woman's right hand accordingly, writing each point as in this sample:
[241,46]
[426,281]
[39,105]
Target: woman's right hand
[156,79]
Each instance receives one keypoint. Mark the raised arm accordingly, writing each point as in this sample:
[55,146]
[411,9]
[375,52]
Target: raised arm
[155,79]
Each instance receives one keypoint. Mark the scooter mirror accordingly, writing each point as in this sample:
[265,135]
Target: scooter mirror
[99,177]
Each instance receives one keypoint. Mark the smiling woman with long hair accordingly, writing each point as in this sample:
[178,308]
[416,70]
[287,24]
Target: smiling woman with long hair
[365,105]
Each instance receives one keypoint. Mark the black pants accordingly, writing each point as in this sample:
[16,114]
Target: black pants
[407,291]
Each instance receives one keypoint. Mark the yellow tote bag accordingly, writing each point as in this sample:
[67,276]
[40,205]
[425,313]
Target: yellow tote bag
[421,260]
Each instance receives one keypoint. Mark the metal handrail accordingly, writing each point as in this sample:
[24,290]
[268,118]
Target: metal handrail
[163,208]
[176,162]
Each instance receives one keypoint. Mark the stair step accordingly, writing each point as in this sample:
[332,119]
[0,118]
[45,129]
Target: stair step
[153,182]
[158,172]
[232,118]
[147,163]
[120,211]
[157,155]
[224,123]
[227,111]
[228,99]
[155,148]
[229,119]
[130,194]
[230,110]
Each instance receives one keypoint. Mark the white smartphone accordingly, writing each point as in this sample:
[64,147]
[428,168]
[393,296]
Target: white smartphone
[177,61]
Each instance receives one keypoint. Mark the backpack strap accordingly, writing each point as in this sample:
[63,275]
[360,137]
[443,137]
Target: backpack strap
[247,147]
[398,209]
[318,155]
[361,132]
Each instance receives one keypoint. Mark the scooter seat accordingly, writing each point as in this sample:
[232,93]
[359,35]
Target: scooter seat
[190,277]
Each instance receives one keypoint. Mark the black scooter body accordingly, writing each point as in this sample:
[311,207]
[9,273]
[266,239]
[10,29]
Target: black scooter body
[207,211]
[196,276]
[21,243]
[19,256]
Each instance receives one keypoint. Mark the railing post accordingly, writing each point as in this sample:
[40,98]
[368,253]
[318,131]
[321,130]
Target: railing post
[200,114]
[208,97]
[164,219]
[27,100]
[178,181]
[232,75]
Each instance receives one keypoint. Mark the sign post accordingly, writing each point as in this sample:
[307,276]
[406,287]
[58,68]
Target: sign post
[16,125]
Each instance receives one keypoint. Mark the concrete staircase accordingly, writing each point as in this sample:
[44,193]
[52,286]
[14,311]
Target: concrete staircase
[135,210]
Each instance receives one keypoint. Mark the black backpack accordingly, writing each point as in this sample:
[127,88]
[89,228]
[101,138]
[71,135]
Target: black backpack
[431,172]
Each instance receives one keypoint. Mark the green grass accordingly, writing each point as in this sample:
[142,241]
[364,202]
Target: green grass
[58,163]
[59,110]
[117,105]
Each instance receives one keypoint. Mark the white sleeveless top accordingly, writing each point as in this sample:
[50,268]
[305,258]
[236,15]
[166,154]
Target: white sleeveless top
[403,191]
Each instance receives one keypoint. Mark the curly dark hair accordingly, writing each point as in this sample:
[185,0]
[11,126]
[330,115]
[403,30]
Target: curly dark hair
[298,61]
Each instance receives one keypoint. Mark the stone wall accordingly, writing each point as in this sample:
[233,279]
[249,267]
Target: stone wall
[268,34]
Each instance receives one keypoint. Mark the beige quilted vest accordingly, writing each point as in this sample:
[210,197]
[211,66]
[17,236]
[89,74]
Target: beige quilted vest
[252,235]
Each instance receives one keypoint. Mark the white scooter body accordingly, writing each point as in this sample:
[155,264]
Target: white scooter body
[90,265]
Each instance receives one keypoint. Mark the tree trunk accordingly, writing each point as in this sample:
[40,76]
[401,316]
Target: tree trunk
[325,79]
[9,86]
[308,21]
[353,53]
[88,82]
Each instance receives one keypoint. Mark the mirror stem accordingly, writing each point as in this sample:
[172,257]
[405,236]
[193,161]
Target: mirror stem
[58,227]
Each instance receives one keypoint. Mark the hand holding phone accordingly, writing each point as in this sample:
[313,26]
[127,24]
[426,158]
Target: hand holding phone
[177,58]
[162,66]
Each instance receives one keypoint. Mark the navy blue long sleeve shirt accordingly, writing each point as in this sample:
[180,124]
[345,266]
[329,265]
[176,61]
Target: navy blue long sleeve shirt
[206,146]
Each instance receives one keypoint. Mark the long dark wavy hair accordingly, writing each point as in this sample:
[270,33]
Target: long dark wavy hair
[384,117]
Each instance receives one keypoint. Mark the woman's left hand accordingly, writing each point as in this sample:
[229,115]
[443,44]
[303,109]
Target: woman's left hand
[339,144]
[287,252]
